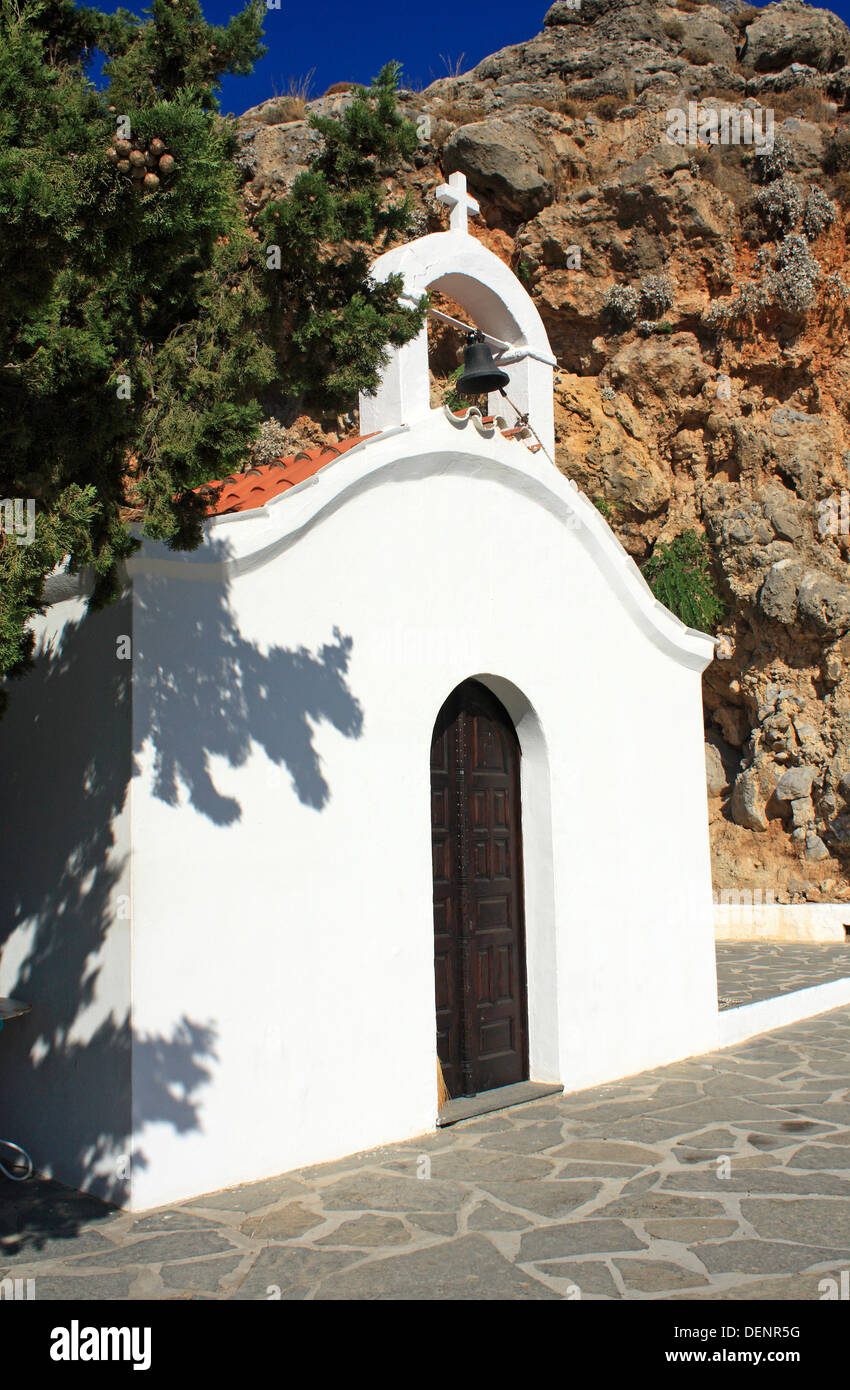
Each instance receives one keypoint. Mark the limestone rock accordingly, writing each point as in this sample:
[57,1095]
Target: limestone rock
[783,513]
[716,780]
[688,418]
[778,596]
[795,783]
[794,32]
[824,603]
[504,160]
[815,847]
[747,803]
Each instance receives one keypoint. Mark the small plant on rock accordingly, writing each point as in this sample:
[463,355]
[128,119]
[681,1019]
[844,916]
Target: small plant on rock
[780,205]
[622,303]
[820,213]
[794,276]
[774,163]
[679,575]
[656,294]
[270,443]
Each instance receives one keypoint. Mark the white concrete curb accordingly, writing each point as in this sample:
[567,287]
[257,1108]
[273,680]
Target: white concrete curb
[735,1025]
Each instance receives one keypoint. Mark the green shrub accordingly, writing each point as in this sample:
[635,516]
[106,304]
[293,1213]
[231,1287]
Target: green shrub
[679,575]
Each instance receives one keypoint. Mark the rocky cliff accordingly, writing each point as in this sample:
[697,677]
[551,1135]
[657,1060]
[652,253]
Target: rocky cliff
[672,184]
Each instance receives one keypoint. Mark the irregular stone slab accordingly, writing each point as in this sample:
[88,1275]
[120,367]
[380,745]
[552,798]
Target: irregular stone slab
[497,1124]
[99,1287]
[182,1245]
[720,1140]
[817,1156]
[644,1182]
[578,1238]
[590,1276]
[657,1276]
[177,1219]
[292,1270]
[688,1230]
[766,1180]
[286,1223]
[32,1247]
[810,1222]
[702,1112]
[606,1111]
[754,1160]
[389,1192]
[473,1165]
[649,1204]
[588,1169]
[552,1198]
[678,1090]
[251,1197]
[372,1231]
[834,1112]
[611,1152]
[794,1286]
[793,1128]
[531,1139]
[488,1217]
[203,1276]
[769,1141]
[441,1224]
[643,1130]
[761,1257]
[468,1268]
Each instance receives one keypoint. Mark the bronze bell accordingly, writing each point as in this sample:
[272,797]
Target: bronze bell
[480,373]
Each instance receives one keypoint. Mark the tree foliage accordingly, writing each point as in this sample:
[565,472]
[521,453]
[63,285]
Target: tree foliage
[139,321]
[330,324]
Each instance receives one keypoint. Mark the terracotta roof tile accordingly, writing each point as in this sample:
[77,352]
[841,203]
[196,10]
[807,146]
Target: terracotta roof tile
[243,492]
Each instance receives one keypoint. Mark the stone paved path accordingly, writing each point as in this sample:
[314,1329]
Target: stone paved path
[751,970]
[724,1177]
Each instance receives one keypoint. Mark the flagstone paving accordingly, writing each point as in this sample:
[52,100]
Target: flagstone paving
[751,970]
[723,1177]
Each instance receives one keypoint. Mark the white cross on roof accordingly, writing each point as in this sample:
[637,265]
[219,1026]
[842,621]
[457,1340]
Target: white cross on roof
[454,193]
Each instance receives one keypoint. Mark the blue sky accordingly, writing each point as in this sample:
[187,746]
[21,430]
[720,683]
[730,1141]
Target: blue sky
[350,40]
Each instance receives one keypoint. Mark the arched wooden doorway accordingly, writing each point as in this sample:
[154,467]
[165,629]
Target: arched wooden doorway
[479,930]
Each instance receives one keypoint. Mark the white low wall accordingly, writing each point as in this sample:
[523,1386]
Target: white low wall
[764,921]
[735,1025]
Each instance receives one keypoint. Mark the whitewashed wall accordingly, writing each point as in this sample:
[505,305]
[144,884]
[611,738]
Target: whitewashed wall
[65,898]
[287,678]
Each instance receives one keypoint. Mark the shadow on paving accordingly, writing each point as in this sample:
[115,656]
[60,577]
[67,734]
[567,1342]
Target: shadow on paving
[38,1216]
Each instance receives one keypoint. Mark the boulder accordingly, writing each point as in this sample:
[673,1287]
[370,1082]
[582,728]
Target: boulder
[504,160]
[824,603]
[794,32]
[795,783]
[747,805]
[815,847]
[778,595]
[782,511]
[802,812]
[716,781]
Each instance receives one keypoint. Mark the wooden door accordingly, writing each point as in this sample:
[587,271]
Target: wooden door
[479,936]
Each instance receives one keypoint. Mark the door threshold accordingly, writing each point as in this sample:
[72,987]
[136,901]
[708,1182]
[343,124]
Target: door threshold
[467,1107]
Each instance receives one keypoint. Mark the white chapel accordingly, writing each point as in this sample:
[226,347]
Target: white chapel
[404,762]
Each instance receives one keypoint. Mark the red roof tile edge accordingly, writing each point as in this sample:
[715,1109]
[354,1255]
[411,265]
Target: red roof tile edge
[245,492]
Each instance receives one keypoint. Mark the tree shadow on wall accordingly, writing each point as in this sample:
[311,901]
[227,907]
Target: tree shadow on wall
[203,690]
[66,752]
[65,1066]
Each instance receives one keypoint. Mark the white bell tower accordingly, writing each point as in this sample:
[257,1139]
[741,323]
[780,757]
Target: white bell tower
[462,268]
